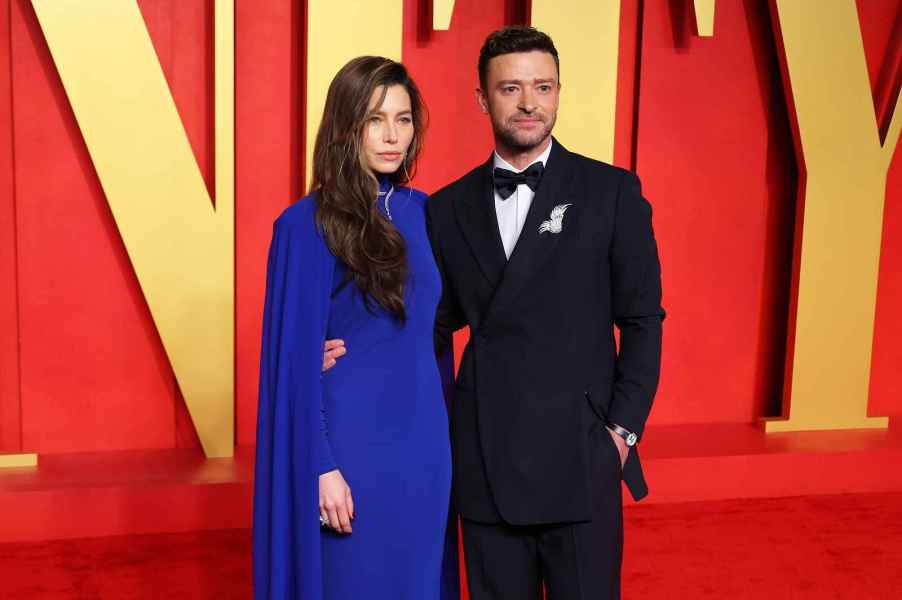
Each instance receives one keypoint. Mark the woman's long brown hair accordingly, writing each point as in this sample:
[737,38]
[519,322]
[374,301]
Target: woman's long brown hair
[346,189]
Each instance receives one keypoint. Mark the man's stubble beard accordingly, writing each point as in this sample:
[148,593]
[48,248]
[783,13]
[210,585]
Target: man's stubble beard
[508,135]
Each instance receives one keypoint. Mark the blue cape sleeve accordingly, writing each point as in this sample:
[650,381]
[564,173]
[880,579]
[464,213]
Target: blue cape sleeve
[286,549]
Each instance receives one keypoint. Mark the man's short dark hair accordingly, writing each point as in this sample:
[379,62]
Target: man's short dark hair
[515,38]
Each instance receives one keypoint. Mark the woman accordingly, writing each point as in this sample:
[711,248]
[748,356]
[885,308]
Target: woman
[353,465]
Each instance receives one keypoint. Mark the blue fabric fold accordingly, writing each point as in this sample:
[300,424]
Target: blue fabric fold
[287,558]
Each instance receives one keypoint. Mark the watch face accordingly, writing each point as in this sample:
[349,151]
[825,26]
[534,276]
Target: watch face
[631,439]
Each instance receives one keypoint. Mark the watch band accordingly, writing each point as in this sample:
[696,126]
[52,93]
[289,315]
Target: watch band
[628,436]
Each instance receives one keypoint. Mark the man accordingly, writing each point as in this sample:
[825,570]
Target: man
[542,252]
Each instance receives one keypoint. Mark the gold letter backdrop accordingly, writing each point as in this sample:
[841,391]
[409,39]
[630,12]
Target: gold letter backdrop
[182,246]
[842,193]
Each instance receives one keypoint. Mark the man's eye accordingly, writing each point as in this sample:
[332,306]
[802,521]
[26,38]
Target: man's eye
[544,88]
[509,89]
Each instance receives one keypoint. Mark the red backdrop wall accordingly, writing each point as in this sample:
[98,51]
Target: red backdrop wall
[702,120]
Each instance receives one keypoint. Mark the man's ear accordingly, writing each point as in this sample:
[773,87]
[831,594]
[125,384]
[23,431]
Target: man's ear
[482,101]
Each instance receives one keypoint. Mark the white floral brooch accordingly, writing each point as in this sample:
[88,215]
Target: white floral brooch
[556,223]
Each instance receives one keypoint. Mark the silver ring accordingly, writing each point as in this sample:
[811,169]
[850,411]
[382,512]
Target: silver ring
[323,521]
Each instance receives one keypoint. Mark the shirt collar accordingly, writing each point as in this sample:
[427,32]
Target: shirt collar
[542,158]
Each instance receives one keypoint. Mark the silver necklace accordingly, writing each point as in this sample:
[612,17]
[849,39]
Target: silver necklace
[385,201]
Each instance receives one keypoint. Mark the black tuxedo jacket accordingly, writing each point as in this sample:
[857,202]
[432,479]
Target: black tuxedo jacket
[541,374]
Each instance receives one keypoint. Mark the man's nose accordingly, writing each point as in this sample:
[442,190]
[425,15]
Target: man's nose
[527,100]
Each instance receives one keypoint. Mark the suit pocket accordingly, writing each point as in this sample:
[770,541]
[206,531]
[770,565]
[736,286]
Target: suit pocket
[607,441]
[612,444]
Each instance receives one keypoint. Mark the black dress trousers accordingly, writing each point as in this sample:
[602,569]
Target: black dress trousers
[572,561]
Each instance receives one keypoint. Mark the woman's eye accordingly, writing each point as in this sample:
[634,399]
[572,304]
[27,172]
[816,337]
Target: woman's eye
[406,120]
[374,119]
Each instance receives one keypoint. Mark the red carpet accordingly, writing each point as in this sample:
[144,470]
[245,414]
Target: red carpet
[823,547]
[819,547]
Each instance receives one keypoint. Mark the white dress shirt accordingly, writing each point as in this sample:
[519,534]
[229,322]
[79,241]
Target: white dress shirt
[512,212]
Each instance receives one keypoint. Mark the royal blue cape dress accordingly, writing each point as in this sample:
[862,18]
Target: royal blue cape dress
[378,416]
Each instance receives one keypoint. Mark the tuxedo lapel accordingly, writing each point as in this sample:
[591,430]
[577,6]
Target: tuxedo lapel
[475,211]
[532,248]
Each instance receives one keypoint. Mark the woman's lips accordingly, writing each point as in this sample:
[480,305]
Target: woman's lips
[390,155]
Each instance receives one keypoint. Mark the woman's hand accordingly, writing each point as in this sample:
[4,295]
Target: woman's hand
[331,352]
[335,502]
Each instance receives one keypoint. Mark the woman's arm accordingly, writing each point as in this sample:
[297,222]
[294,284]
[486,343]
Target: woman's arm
[292,444]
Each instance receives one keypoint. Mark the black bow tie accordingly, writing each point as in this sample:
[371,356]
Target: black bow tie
[506,182]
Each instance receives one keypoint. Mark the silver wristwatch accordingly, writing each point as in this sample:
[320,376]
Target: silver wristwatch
[628,436]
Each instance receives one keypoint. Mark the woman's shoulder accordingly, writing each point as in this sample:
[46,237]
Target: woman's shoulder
[298,223]
[301,213]
[418,197]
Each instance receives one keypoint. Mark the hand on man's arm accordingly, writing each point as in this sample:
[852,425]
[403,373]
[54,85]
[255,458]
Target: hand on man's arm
[331,352]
